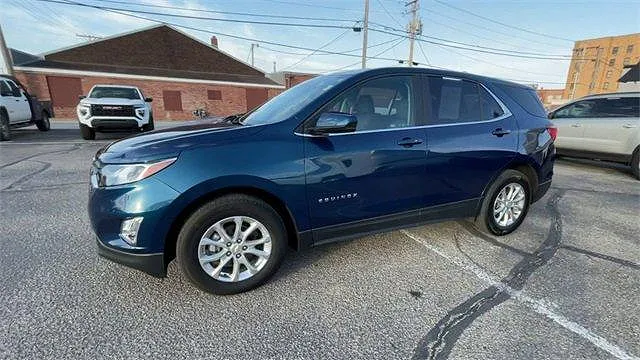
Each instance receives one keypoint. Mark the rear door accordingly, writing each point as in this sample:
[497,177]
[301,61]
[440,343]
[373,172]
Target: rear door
[371,178]
[615,127]
[472,137]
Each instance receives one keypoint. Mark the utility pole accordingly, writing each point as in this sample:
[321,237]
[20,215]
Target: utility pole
[364,34]
[415,27]
[253,45]
[7,64]
[274,66]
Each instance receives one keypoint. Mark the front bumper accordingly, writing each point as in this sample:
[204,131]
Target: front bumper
[115,124]
[108,207]
[152,264]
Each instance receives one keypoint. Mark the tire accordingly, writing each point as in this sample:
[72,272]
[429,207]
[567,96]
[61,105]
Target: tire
[5,130]
[635,163]
[44,124]
[150,126]
[191,247]
[509,179]
[87,132]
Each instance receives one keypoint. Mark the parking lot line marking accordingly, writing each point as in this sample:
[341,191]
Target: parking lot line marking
[536,305]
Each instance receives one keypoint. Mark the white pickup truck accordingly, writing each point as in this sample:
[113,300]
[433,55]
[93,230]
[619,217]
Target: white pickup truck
[19,109]
[114,108]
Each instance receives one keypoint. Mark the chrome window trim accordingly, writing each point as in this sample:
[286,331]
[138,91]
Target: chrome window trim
[506,113]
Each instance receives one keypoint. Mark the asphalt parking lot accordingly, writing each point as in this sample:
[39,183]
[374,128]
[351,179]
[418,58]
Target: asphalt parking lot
[564,286]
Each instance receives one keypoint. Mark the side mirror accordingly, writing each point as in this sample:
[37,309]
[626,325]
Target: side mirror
[81,97]
[551,115]
[335,122]
[148,99]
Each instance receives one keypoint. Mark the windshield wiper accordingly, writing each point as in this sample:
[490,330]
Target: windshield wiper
[233,119]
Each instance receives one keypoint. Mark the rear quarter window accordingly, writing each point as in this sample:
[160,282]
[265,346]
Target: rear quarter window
[527,98]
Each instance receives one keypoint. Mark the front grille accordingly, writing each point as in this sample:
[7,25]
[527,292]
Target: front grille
[112,110]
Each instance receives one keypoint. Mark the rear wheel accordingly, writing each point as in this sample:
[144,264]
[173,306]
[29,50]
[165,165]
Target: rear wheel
[635,163]
[87,132]
[506,204]
[231,244]
[150,126]
[5,131]
[44,124]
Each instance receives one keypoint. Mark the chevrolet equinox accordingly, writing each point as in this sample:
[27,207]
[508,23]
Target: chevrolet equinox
[335,157]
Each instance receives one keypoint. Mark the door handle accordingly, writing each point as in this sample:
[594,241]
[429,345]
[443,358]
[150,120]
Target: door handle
[576,125]
[408,142]
[499,132]
[629,126]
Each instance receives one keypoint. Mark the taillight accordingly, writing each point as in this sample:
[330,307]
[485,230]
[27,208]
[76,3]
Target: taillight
[553,131]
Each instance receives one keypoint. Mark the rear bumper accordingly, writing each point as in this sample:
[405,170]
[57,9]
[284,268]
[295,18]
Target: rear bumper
[152,264]
[541,191]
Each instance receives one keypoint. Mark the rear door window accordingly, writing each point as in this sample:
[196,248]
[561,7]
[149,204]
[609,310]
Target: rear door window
[453,101]
[619,107]
[5,90]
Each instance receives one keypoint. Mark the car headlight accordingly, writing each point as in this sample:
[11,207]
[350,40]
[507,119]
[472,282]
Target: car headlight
[111,175]
[84,110]
[140,112]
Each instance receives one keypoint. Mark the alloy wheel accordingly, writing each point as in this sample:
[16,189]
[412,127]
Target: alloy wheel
[509,204]
[234,249]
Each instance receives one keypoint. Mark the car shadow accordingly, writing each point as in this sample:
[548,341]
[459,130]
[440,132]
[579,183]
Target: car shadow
[621,168]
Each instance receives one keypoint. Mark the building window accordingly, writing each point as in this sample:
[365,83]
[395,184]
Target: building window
[609,73]
[626,61]
[172,100]
[629,49]
[214,94]
[614,51]
[605,86]
[592,85]
[579,52]
[612,62]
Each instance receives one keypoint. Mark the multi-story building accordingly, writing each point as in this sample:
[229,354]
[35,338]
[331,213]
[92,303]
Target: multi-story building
[597,64]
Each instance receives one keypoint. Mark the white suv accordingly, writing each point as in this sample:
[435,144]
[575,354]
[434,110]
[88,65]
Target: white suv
[112,108]
[605,127]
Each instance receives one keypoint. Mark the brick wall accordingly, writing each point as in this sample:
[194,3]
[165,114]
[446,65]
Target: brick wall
[193,95]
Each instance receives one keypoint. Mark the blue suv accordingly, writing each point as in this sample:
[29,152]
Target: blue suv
[336,157]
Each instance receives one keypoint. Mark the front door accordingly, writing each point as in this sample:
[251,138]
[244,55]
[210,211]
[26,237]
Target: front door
[372,177]
[471,139]
[19,108]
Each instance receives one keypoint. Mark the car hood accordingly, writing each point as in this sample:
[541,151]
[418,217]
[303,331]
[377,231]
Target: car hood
[167,143]
[111,101]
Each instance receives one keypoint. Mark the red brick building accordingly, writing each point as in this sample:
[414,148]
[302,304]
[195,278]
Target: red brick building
[179,72]
[290,78]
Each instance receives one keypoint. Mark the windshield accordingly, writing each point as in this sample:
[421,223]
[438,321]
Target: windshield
[114,92]
[291,101]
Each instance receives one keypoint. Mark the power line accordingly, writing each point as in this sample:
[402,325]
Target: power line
[225,12]
[227,35]
[479,26]
[194,17]
[320,48]
[479,46]
[478,49]
[423,53]
[501,23]
[399,41]
[344,52]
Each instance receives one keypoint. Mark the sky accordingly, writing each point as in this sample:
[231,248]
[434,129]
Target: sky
[541,27]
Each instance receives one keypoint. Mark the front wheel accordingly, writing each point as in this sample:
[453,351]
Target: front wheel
[5,131]
[149,126]
[44,124]
[231,244]
[505,204]
[87,132]
[635,163]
